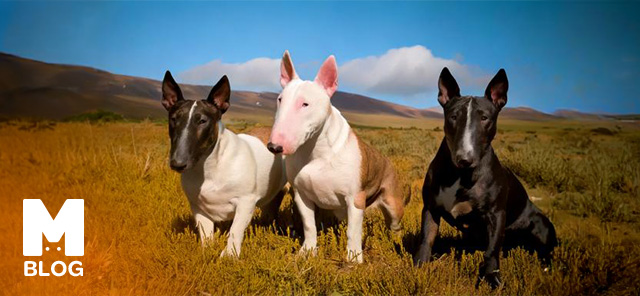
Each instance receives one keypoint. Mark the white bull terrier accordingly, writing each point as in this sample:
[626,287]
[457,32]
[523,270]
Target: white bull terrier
[327,165]
[224,175]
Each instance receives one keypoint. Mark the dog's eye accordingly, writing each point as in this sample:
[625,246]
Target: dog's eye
[279,100]
[453,117]
[305,105]
[202,121]
[484,118]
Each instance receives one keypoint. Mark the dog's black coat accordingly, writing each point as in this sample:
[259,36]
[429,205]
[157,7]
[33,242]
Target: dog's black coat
[472,191]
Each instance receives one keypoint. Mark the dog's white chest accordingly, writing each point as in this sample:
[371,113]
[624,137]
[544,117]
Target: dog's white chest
[447,196]
[327,182]
[213,198]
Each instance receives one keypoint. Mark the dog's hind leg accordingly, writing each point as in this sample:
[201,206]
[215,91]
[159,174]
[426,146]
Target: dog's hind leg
[544,235]
[392,213]
[392,203]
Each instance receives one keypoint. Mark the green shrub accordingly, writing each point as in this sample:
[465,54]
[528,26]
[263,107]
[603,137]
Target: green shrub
[96,116]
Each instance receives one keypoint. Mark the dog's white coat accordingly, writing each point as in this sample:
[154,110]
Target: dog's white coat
[238,175]
[324,169]
[327,175]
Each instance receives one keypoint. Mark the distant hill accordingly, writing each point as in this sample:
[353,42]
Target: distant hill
[525,113]
[574,114]
[34,89]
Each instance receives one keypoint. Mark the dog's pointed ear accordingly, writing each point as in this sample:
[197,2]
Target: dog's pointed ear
[171,92]
[497,89]
[220,94]
[328,75]
[447,87]
[287,71]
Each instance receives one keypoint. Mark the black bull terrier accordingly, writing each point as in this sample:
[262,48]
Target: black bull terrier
[468,187]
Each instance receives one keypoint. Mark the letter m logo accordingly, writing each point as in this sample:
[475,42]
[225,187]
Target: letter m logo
[36,221]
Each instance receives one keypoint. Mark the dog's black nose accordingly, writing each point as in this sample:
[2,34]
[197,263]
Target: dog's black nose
[274,148]
[464,161]
[177,166]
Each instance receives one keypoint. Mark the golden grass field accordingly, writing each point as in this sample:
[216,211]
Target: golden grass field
[139,239]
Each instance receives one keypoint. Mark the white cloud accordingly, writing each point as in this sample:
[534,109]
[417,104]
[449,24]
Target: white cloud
[406,71]
[259,74]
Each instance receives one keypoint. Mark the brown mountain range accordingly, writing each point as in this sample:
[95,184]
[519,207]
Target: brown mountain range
[34,89]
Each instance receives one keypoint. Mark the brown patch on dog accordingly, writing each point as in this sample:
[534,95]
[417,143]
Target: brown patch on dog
[378,179]
[461,209]
[373,169]
[361,200]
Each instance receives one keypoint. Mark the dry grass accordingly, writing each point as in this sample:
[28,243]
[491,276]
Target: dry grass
[139,241]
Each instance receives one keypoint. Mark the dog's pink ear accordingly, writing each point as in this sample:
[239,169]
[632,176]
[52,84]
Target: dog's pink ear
[171,92]
[447,87]
[497,89]
[220,94]
[287,71]
[328,75]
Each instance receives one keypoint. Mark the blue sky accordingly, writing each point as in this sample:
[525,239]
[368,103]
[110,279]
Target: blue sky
[576,55]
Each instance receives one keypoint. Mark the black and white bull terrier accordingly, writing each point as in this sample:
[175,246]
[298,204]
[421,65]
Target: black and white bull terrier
[224,175]
[468,187]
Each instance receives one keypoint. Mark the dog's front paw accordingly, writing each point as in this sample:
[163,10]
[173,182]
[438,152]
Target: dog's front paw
[418,261]
[421,257]
[230,253]
[308,251]
[355,256]
[491,277]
